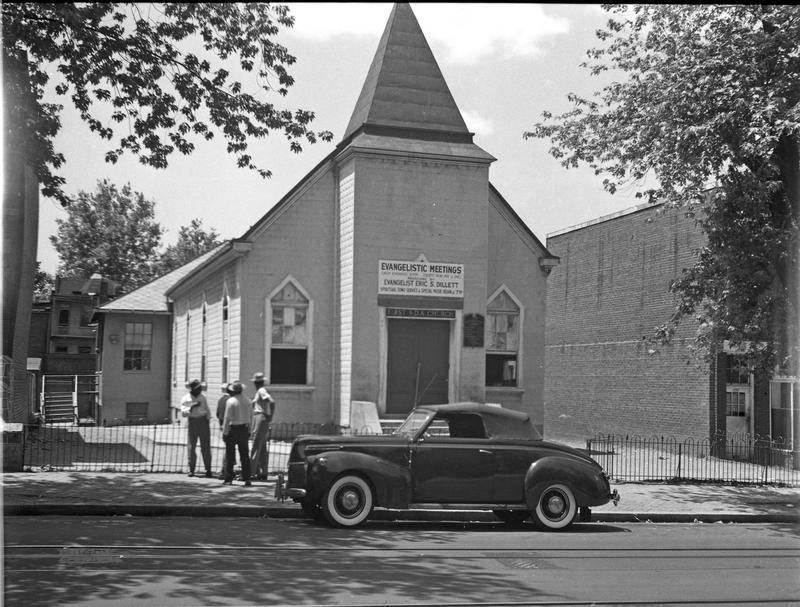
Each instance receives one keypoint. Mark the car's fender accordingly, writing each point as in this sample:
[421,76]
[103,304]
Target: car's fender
[391,483]
[584,478]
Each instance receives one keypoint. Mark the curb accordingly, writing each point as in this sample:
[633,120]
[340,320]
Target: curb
[288,512]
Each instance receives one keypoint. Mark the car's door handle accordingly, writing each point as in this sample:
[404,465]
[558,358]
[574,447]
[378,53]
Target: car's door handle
[484,451]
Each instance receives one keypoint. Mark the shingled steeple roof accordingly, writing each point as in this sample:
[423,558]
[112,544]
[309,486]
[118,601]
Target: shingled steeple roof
[405,93]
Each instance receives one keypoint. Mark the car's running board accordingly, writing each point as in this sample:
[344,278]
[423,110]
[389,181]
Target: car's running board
[425,506]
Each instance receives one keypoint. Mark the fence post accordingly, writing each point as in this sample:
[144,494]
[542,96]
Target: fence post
[266,459]
[153,454]
[680,453]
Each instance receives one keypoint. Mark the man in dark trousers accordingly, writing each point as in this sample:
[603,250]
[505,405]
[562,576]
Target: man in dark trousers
[221,402]
[236,432]
[263,410]
[194,407]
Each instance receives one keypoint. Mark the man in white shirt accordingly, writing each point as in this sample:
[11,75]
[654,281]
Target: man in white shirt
[263,410]
[195,407]
[236,432]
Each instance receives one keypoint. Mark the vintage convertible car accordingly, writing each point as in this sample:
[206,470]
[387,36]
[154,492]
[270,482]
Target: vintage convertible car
[465,456]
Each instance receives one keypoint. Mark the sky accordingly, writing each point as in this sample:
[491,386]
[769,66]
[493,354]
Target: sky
[505,64]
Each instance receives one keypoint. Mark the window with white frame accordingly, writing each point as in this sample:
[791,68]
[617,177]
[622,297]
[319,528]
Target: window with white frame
[138,346]
[186,350]
[290,336]
[502,339]
[225,337]
[203,341]
[737,380]
[175,353]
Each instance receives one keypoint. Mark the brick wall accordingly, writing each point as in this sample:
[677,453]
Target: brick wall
[610,290]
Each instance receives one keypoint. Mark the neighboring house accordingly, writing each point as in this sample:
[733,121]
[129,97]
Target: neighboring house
[133,342]
[394,273]
[609,292]
[62,362]
[71,347]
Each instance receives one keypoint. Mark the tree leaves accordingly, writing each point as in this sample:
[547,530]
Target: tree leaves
[112,232]
[709,97]
[134,58]
[193,241]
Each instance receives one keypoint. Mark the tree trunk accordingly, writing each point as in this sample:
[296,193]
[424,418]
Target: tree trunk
[20,234]
[788,160]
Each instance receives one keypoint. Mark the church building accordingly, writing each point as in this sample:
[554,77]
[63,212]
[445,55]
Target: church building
[394,273]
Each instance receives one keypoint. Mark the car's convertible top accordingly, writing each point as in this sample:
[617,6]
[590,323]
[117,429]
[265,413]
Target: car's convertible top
[500,423]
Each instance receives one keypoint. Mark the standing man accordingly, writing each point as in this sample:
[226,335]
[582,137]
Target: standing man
[195,407]
[236,432]
[263,410]
[221,402]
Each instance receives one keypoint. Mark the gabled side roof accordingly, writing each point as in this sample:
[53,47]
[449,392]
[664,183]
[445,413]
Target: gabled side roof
[152,296]
[522,224]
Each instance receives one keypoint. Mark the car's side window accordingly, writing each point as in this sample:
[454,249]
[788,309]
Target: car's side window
[463,425]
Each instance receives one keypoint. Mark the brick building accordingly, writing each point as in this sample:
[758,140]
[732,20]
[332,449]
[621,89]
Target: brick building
[393,274]
[609,292]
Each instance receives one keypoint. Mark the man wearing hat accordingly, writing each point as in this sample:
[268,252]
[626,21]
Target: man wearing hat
[221,402]
[236,432]
[195,407]
[263,410]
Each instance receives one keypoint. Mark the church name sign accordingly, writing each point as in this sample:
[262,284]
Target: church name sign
[420,278]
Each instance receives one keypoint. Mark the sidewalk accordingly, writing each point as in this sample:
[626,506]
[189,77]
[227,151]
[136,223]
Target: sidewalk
[148,494]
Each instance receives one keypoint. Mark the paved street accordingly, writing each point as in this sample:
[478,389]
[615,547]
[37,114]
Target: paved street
[55,561]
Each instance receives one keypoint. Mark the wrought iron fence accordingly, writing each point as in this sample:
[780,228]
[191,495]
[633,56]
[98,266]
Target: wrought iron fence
[125,446]
[128,446]
[722,458]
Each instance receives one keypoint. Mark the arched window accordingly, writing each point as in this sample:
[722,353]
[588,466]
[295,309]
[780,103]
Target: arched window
[502,340]
[290,335]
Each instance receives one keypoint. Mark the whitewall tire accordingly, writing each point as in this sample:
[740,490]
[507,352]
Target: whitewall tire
[348,501]
[555,507]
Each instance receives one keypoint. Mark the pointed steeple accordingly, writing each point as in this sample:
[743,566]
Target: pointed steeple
[405,93]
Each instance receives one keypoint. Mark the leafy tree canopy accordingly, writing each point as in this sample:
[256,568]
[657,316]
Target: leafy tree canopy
[709,107]
[43,284]
[133,59]
[193,241]
[111,232]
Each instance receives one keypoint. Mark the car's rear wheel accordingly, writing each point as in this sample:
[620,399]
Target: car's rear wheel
[555,507]
[313,510]
[348,501]
[513,518]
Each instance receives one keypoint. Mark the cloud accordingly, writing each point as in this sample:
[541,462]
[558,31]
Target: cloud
[483,127]
[467,32]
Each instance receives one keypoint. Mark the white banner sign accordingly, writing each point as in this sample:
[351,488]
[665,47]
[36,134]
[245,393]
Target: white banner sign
[421,278]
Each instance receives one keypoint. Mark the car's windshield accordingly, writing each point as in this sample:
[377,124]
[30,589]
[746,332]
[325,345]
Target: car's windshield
[411,426]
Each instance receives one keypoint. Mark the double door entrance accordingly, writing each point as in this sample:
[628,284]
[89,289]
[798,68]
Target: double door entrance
[418,363]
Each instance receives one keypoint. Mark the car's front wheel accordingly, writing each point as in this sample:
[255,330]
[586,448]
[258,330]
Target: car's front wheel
[348,501]
[555,507]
